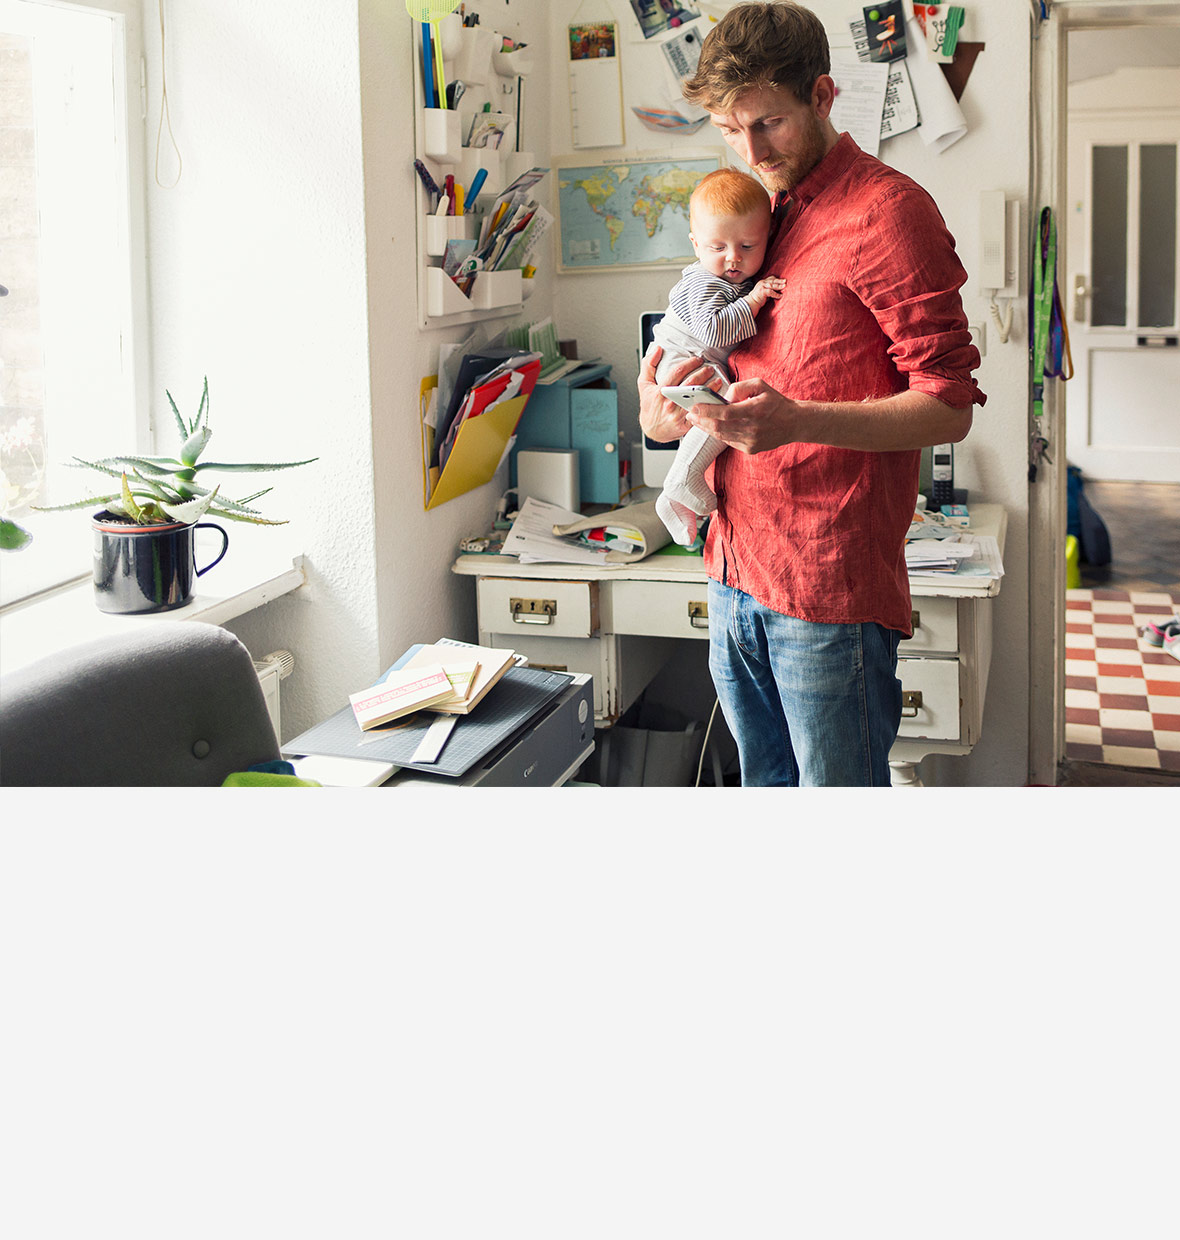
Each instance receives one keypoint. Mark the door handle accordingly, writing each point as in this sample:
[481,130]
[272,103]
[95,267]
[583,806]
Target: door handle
[1081,290]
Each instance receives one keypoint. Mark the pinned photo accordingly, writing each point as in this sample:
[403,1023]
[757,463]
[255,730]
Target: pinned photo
[593,41]
[657,16]
[885,27]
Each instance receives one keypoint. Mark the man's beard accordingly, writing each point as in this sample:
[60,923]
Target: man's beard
[793,167]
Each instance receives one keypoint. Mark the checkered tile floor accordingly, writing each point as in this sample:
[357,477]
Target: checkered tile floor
[1122,697]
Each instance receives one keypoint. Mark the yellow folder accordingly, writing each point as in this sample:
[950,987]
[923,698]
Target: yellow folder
[477,452]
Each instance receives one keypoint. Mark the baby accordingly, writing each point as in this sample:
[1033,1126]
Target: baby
[710,310]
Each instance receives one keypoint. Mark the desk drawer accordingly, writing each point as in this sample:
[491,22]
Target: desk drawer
[936,717]
[537,608]
[936,627]
[660,608]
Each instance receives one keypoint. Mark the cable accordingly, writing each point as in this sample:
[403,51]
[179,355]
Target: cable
[705,742]
[165,113]
[1004,324]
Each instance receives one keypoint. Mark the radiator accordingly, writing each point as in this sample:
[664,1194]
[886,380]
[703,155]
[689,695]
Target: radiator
[276,666]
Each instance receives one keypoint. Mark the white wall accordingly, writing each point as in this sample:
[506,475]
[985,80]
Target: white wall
[281,266]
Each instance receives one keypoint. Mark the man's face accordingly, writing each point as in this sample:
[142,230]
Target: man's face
[779,137]
[730,247]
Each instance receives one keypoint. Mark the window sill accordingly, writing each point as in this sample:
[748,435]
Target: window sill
[262,565]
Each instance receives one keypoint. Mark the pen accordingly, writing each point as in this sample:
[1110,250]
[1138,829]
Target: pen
[476,185]
[449,191]
[458,199]
[428,181]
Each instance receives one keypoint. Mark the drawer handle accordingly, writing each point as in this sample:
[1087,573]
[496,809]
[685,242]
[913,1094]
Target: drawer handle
[698,615]
[533,610]
[911,703]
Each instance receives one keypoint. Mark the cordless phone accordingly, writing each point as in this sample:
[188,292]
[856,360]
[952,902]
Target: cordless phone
[942,475]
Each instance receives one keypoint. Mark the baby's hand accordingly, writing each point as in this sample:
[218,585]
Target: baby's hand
[767,287]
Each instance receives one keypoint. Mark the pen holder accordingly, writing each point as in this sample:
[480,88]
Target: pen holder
[496,288]
[513,64]
[473,60]
[442,295]
[443,228]
[442,136]
[472,159]
[450,36]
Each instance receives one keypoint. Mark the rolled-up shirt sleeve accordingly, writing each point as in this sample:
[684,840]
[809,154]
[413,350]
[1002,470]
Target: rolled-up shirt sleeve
[908,275]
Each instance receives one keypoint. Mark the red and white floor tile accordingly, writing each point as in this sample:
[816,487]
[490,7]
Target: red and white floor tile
[1122,696]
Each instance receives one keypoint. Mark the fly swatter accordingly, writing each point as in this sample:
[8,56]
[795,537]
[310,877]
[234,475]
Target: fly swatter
[432,12]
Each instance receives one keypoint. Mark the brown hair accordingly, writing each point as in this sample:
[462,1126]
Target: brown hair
[756,45]
[729,192]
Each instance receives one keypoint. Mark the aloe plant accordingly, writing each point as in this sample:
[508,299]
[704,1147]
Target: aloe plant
[156,490]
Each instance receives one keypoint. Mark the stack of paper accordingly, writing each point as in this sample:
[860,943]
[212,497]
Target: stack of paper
[490,665]
[515,376]
[447,677]
[968,555]
[545,533]
[541,338]
[412,689]
[512,227]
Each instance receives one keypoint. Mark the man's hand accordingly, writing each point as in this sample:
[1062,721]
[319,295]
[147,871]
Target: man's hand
[660,419]
[756,419]
[759,418]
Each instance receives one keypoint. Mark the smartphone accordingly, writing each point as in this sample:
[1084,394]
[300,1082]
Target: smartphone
[693,394]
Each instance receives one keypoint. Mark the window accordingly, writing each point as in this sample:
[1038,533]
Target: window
[72,361]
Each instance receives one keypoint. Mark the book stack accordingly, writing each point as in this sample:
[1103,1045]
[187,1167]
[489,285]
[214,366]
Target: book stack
[449,678]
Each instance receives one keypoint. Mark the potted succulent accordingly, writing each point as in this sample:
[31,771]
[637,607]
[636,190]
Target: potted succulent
[143,537]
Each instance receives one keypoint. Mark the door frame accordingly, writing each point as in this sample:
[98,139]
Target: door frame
[1047,496]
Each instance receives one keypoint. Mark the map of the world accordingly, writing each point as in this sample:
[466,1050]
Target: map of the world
[632,214]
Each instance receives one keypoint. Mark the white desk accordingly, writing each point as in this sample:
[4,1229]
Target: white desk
[614,622]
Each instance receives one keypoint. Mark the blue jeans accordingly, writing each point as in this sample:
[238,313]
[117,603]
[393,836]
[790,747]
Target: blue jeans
[809,704]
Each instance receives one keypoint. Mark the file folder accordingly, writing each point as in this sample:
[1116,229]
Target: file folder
[481,442]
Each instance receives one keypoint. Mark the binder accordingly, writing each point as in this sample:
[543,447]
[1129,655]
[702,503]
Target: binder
[481,441]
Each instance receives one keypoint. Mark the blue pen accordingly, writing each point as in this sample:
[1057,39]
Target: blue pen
[476,185]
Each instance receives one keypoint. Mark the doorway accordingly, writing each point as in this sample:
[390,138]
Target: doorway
[1118,79]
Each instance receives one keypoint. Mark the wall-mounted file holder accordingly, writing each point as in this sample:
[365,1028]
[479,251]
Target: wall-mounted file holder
[439,137]
[481,445]
[492,293]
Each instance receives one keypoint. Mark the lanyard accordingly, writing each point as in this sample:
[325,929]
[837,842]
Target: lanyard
[1044,284]
[1050,348]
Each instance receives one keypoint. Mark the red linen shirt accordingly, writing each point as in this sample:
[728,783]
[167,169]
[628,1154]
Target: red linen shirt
[871,308]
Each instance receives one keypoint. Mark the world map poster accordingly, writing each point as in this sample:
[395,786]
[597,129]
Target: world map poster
[627,213]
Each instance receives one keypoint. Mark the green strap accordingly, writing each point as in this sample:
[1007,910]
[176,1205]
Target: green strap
[1044,280]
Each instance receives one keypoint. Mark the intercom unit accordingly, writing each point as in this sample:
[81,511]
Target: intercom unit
[999,242]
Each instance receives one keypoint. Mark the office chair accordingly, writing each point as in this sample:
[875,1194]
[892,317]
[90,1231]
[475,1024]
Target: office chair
[174,704]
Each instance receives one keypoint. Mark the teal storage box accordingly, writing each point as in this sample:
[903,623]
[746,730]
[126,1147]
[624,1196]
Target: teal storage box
[580,410]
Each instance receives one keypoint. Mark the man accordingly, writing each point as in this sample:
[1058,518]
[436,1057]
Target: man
[863,361]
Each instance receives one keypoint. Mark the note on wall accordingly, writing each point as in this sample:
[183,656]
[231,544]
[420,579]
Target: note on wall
[596,84]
